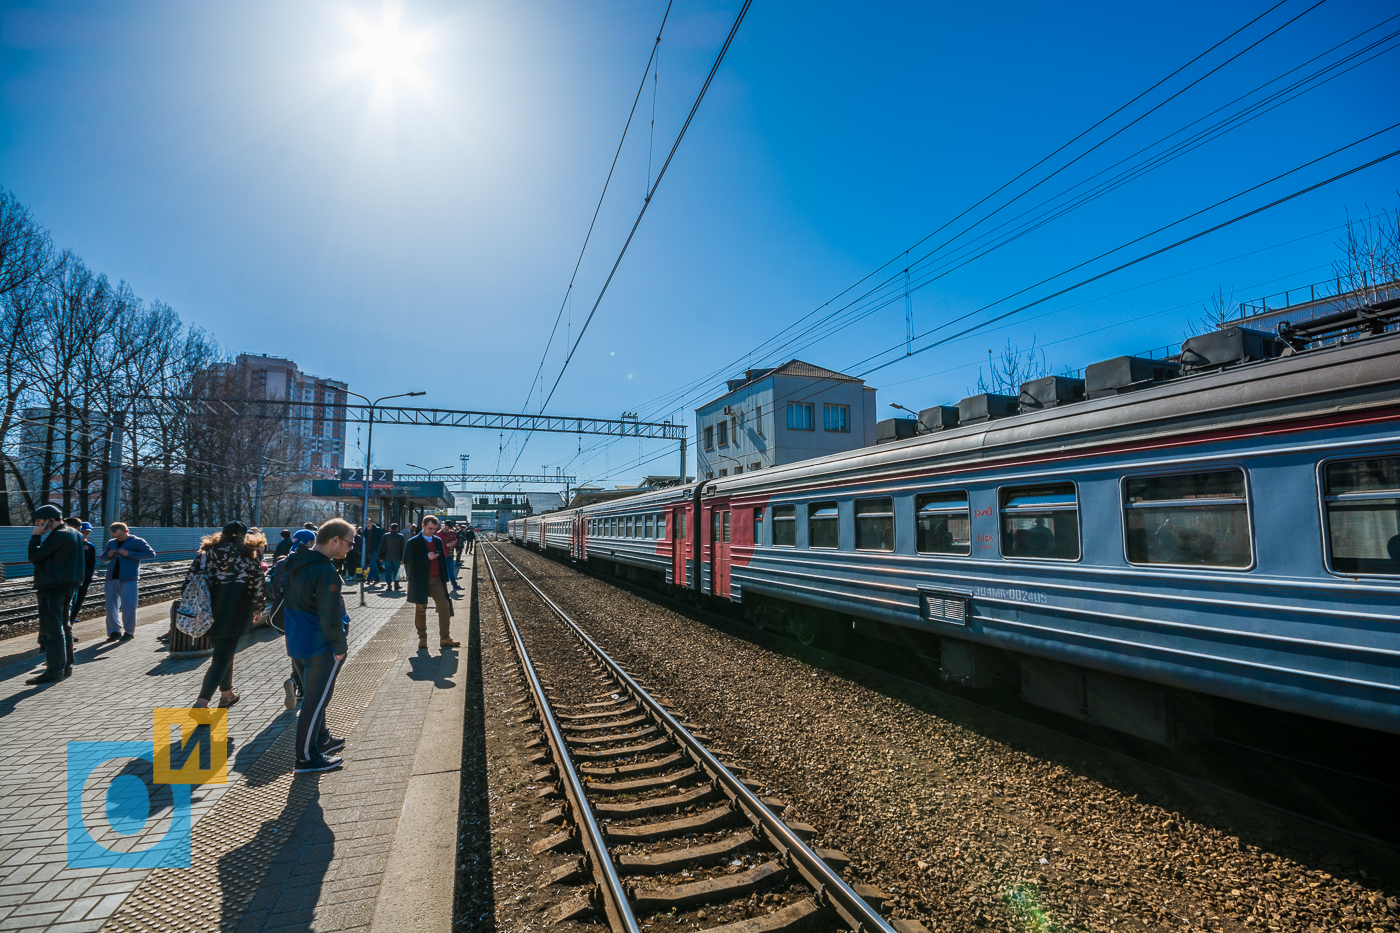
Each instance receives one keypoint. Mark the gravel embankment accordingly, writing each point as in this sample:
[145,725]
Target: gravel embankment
[967,823]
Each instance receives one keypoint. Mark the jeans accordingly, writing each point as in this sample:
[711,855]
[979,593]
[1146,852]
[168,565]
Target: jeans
[374,566]
[121,597]
[55,629]
[391,571]
[78,600]
[318,675]
[451,574]
[220,673]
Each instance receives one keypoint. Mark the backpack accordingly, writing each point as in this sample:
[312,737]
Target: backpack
[196,613]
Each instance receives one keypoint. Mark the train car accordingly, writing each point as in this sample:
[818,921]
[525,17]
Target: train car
[1225,524]
[642,537]
[1233,532]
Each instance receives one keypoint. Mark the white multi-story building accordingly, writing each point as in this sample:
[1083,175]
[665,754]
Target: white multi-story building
[791,412]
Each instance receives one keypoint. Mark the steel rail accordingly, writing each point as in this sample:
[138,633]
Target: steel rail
[615,903]
[831,889]
[13,615]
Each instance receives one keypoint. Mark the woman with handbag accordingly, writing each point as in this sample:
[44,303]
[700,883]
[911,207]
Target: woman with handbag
[232,571]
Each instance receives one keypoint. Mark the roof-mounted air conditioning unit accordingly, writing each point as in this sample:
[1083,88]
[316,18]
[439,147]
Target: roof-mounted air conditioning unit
[985,407]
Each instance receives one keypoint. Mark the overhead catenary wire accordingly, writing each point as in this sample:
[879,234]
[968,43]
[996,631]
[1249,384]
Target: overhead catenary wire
[668,398]
[661,173]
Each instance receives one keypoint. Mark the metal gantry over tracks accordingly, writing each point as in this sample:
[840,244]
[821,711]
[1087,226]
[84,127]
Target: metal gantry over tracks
[831,893]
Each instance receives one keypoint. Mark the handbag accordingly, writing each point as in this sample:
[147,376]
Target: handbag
[196,613]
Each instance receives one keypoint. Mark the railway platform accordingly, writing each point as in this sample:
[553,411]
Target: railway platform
[368,847]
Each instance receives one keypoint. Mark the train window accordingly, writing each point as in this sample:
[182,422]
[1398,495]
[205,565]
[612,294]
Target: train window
[650,527]
[785,525]
[1188,519]
[875,524]
[661,525]
[823,526]
[943,523]
[1040,522]
[726,527]
[1363,515]
[684,522]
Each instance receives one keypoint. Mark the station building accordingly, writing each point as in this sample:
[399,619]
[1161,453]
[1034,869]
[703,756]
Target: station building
[780,415]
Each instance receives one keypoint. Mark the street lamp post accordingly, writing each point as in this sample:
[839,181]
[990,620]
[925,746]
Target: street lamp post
[428,471]
[369,473]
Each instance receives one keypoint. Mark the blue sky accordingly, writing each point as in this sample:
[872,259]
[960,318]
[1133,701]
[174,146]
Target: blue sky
[412,222]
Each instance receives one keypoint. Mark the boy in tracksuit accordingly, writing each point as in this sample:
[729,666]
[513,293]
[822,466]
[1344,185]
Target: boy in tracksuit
[316,625]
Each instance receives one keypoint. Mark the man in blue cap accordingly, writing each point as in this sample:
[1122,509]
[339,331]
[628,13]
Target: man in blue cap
[56,552]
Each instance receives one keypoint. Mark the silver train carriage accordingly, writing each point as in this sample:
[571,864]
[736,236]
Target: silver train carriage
[1233,532]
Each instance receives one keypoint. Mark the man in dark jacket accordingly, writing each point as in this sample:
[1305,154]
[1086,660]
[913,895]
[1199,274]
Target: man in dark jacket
[58,571]
[316,627]
[391,552]
[425,558]
[284,547]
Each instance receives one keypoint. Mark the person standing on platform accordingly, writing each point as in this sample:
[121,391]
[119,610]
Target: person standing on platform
[233,566]
[89,565]
[123,555]
[58,570]
[374,572]
[449,543]
[425,559]
[391,552]
[317,627]
[469,535]
[284,547]
[461,542]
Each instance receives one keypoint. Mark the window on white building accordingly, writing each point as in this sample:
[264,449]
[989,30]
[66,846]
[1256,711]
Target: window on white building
[800,416]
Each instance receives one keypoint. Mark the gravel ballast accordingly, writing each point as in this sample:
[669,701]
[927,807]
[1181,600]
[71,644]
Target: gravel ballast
[965,821]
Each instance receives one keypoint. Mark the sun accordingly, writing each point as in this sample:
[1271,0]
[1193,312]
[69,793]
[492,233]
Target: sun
[385,51]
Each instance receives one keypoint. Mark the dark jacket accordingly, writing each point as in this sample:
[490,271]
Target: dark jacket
[284,547]
[235,588]
[129,567]
[415,562]
[391,546]
[376,534]
[313,587]
[89,561]
[58,561]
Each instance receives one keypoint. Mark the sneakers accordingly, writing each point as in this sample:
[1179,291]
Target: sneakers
[226,702]
[450,643]
[127,637]
[319,763]
[114,636]
[289,687]
[333,746]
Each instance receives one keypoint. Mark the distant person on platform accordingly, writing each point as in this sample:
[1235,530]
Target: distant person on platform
[317,628]
[425,559]
[284,547]
[56,551]
[469,536]
[374,571]
[449,541]
[123,555]
[391,552]
[89,563]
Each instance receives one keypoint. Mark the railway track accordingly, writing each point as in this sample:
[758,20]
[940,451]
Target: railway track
[18,615]
[666,828]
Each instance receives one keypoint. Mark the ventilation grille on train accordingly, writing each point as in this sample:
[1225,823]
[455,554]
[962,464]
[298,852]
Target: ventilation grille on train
[943,606]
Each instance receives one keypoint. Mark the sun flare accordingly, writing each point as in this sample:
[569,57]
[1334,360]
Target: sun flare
[386,51]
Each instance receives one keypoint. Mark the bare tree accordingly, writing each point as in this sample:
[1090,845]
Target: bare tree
[1369,269]
[1015,366]
[25,265]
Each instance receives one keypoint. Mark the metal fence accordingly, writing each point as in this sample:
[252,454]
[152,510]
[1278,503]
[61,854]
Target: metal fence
[168,543]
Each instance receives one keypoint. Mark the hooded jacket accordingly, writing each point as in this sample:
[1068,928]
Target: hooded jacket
[58,559]
[314,616]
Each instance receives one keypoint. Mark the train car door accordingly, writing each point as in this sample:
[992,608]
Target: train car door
[720,524]
[680,545]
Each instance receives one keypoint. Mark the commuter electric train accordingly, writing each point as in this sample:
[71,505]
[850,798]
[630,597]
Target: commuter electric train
[1225,523]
